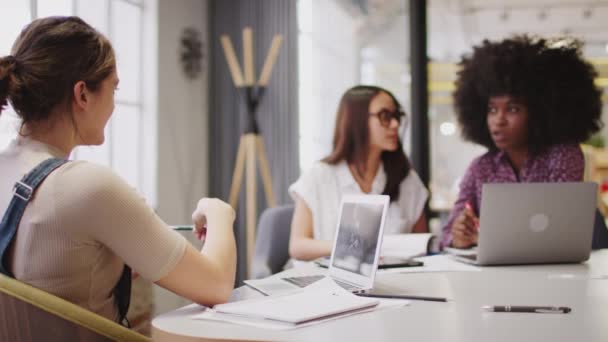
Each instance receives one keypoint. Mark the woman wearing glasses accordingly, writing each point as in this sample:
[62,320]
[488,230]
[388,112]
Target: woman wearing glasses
[367,158]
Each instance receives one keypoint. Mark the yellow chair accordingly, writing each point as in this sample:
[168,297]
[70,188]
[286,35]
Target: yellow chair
[30,314]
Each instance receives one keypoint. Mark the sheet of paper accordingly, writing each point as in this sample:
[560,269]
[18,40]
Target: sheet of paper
[435,263]
[322,286]
[405,245]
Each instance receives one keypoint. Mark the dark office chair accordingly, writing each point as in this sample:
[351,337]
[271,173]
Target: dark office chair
[272,242]
[600,232]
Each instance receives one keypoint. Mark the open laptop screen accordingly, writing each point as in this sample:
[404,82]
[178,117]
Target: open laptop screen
[357,239]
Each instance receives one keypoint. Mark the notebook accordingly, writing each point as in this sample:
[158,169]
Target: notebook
[355,252]
[531,223]
[320,300]
[406,246]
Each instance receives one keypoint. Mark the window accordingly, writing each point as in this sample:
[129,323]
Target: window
[328,65]
[122,21]
[342,44]
[15,15]
[346,42]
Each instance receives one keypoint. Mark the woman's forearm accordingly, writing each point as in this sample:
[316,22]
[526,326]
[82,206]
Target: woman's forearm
[309,249]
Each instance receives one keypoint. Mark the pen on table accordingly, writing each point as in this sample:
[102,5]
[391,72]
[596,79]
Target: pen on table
[521,308]
[430,299]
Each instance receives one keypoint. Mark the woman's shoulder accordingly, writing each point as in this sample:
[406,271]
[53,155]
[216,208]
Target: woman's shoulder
[83,167]
[320,175]
[412,180]
[82,189]
[564,157]
[322,169]
[484,159]
[481,168]
[558,151]
[87,176]
[412,185]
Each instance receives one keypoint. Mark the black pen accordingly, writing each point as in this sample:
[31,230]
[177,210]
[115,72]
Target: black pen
[430,299]
[183,227]
[532,309]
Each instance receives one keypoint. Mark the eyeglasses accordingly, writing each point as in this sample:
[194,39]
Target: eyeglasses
[385,116]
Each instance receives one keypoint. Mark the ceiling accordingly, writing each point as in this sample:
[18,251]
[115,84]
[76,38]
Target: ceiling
[456,25]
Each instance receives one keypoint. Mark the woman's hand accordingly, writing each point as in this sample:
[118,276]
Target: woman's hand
[208,211]
[207,276]
[465,229]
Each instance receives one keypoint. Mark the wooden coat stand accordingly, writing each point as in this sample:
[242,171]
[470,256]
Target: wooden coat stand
[251,146]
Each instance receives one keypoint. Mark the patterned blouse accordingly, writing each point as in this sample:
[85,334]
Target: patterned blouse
[559,163]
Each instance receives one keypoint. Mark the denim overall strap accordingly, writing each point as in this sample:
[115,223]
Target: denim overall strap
[22,192]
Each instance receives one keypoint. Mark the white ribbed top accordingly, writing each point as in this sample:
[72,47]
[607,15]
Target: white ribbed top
[83,221]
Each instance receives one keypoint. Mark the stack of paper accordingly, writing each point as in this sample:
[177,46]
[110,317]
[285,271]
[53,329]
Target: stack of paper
[462,252]
[322,301]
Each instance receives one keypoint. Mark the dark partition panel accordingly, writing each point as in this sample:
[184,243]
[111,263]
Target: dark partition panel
[277,113]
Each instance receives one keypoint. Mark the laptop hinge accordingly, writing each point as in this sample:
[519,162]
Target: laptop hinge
[360,289]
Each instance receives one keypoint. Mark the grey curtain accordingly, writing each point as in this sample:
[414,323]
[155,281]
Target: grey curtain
[277,113]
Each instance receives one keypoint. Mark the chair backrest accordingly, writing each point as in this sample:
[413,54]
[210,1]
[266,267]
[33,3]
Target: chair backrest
[600,232]
[30,314]
[272,242]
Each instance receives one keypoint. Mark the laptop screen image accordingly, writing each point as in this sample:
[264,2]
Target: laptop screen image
[357,239]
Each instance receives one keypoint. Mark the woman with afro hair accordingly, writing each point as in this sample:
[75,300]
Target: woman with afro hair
[530,101]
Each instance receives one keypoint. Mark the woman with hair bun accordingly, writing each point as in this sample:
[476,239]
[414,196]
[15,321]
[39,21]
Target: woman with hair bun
[73,228]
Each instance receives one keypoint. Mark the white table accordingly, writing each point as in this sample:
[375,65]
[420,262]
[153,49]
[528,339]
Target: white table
[583,287]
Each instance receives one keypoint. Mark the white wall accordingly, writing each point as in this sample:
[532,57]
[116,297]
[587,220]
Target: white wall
[182,114]
[182,123]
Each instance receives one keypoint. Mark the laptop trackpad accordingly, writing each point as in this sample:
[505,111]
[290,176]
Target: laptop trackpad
[271,286]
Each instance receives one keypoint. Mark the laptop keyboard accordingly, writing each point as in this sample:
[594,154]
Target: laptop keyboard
[303,281]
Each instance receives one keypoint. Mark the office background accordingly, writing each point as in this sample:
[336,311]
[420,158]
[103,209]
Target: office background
[174,137]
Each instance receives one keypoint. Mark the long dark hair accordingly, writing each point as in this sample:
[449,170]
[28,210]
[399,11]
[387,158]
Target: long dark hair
[351,138]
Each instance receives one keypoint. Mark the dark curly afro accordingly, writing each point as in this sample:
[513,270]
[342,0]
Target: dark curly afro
[550,77]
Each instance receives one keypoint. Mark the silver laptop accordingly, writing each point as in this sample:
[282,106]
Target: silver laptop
[355,252]
[533,223]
